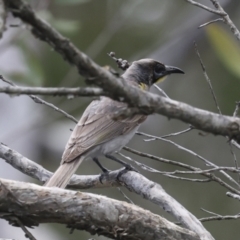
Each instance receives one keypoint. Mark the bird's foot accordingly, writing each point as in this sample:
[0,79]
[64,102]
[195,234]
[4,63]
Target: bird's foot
[104,175]
[129,167]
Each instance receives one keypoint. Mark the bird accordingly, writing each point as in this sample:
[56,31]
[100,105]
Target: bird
[98,134]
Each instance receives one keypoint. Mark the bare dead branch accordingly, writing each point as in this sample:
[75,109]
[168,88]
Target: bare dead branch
[209,175]
[18,222]
[36,171]
[207,162]
[121,63]
[230,169]
[188,179]
[235,196]
[157,195]
[131,180]
[235,113]
[221,12]
[215,100]
[93,213]
[210,22]
[69,92]
[227,19]
[217,218]
[207,78]
[164,173]
[119,89]
[167,135]
[41,101]
[206,7]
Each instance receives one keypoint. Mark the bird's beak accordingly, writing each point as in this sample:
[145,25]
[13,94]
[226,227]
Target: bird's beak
[170,70]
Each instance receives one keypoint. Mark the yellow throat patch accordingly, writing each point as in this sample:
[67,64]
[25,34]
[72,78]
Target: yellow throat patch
[143,86]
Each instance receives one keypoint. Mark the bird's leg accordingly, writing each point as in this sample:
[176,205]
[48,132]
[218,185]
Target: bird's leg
[126,165]
[105,170]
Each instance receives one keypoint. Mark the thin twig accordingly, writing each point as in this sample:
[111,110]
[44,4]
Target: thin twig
[206,8]
[69,92]
[125,196]
[41,101]
[227,19]
[188,179]
[160,159]
[25,230]
[235,113]
[209,175]
[210,22]
[207,211]
[235,196]
[121,63]
[207,162]
[234,158]
[230,169]
[207,78]
[150,169]
[215,99]
[166,174]
[227,217]
[167,135]
[160,90]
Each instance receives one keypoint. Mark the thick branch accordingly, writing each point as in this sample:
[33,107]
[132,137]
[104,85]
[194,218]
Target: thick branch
[90,212]
[133,181]
[118,89]
[198,118]
[36,171]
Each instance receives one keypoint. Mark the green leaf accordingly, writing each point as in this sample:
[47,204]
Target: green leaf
[226,47]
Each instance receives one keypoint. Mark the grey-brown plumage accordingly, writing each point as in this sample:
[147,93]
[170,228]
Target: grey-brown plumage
[97,133]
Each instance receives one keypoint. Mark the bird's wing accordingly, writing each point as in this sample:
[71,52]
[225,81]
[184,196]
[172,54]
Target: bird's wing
[96,126]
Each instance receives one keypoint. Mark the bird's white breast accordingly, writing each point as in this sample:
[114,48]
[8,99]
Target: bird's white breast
[111,146]
[117,143]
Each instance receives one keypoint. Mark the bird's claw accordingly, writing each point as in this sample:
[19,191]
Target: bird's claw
[129,167]
[104,175]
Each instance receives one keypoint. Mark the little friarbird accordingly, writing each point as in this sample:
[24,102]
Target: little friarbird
[98,134]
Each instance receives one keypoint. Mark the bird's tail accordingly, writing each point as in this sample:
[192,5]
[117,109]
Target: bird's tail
[64,173]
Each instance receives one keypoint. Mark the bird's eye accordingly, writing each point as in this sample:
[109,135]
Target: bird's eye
[159,68]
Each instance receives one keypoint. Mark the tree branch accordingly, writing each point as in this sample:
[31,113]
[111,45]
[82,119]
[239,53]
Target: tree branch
[227,19]
[90,212]
[133,181]
[119,89]
[206,7]
[41,101]
[219,11]
[36,171]
[80,91]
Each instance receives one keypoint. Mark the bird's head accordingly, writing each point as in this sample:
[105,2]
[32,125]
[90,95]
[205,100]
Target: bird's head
[146,72]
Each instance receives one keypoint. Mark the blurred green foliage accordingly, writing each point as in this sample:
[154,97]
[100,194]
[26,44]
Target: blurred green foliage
[226,47]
